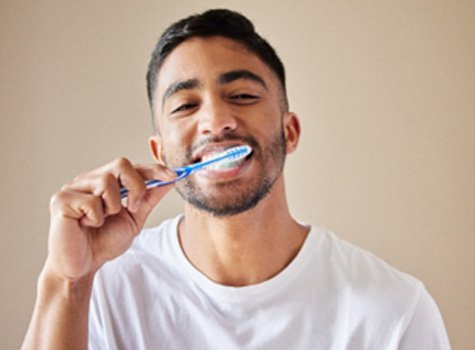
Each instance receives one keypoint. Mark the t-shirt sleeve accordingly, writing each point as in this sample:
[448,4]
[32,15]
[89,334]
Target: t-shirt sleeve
[426,329]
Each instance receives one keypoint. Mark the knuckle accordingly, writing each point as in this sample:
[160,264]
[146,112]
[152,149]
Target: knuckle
[53,200]
[59,202]
[107,180]
[93,202]
[57,198]
[122,163]
[80,176]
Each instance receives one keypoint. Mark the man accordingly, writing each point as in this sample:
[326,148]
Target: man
[235,271]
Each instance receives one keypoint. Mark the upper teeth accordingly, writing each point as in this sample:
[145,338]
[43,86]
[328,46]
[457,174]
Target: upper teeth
[226,164]
[209,155]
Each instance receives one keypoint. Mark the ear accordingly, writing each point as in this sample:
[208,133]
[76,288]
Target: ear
[291,131]
[155,144]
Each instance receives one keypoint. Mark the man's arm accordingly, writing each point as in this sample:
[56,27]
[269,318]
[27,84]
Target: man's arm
[60,318]
[88,227]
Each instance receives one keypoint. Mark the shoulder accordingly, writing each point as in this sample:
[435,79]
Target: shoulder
[368,281]
[378,302]
[360,266]
[371,294]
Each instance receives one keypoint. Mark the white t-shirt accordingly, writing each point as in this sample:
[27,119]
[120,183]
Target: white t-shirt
[333,295]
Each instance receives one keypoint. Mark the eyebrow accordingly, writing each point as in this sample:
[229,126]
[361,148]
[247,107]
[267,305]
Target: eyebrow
[179,86]
[229,77]
[225,78]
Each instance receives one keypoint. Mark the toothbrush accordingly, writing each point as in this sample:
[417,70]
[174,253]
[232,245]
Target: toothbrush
[234,153]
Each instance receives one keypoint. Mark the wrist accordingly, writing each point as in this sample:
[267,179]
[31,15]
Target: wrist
[52,284]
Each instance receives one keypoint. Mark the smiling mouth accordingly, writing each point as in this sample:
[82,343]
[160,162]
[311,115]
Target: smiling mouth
[222,165]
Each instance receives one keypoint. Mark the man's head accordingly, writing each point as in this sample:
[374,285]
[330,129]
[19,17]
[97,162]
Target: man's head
[219,22]
[214,92]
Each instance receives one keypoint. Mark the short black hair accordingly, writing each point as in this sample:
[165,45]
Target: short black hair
[216,22]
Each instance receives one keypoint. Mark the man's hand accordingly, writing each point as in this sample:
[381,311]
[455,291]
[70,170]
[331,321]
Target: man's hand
[90,225]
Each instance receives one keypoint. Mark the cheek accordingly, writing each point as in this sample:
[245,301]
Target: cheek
[269,125]
[176,142]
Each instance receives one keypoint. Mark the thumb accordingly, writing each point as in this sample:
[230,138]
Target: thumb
[142,208]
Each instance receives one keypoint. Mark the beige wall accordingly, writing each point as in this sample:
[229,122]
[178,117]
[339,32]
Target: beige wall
[385,91]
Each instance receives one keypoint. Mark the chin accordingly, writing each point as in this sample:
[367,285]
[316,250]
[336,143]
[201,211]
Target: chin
[229,201]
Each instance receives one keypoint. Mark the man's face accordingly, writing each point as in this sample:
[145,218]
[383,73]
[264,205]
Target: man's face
[213,94]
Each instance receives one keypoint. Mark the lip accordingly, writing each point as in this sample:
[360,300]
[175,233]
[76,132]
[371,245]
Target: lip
[224,174]
[213,148]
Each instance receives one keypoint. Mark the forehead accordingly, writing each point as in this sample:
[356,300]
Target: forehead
[207,58]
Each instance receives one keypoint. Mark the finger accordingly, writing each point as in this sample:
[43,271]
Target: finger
[106,186]
[110,194]
[148,202]
[93,210]
[155,172]
[126,175]
[130,179]
[87,209]
[111,167]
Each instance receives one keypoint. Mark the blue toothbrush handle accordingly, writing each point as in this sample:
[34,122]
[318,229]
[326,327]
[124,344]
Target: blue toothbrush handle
[181,174]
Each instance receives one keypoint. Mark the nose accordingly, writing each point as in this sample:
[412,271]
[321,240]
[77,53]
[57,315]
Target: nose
[216,118]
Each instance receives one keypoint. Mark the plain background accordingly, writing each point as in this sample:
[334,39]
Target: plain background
[384,90]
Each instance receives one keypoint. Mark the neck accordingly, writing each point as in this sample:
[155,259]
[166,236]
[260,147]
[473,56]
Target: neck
[243,249]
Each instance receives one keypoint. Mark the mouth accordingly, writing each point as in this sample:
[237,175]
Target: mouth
[224,165]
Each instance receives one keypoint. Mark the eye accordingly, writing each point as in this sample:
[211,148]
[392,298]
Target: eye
[183,107]
[244,98]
